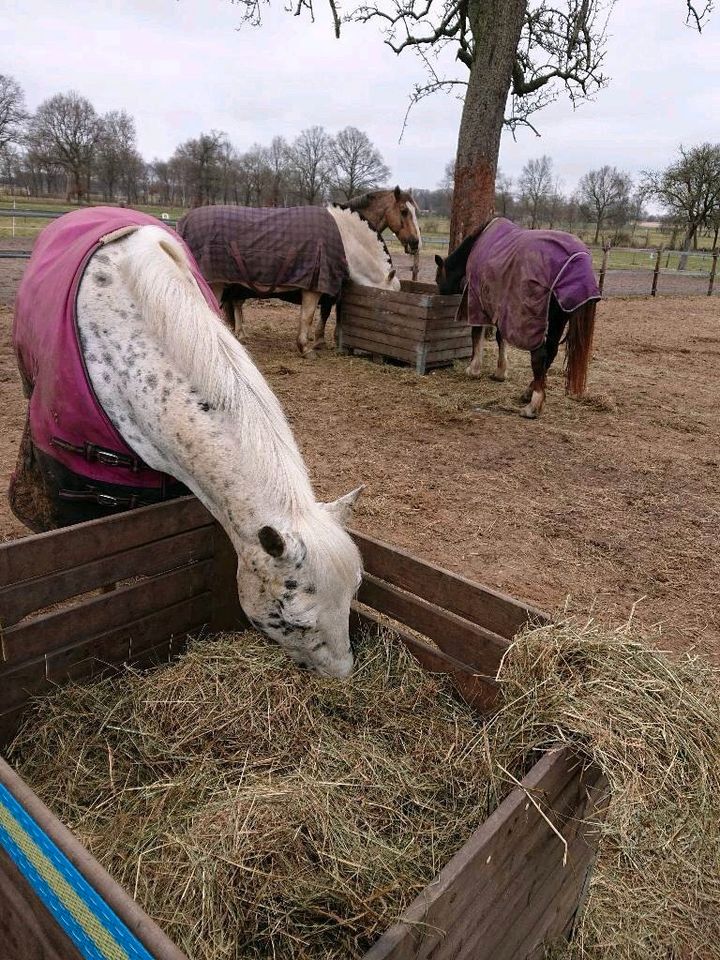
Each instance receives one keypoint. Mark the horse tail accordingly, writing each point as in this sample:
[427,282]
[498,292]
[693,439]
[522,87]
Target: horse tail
[581,326]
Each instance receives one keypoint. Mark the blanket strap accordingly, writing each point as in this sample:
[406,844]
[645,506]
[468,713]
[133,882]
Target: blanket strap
[92,453]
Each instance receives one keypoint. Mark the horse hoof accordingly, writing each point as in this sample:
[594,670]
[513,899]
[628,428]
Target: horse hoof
[469,372]
[529,412]
[310,355]
[498,377]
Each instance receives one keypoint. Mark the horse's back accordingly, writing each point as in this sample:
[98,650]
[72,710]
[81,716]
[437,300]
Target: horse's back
[267,248]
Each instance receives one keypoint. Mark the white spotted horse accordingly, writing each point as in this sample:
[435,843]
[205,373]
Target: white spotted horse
[300,254]
[139,392]
[530,285]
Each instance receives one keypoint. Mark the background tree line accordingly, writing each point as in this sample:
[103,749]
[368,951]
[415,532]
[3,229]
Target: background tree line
[607,204]
[67,149]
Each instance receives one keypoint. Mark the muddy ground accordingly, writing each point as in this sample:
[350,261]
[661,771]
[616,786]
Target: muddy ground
[609,507]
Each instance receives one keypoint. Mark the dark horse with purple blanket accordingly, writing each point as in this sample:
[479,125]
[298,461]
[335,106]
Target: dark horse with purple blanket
[530,285]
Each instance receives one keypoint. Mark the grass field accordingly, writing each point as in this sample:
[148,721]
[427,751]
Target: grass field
[435,231]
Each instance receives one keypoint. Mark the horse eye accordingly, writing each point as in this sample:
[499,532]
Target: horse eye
[404,212]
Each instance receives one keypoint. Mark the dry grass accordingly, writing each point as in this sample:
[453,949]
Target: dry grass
[257,811]
[653,725]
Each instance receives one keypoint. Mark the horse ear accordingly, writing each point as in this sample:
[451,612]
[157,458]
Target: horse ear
[398,193]
[271,540]
[439,260]
[342,508]
[287,547]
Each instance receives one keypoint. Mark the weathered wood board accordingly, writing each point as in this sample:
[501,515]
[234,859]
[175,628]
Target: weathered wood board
[132,588]
[415,325]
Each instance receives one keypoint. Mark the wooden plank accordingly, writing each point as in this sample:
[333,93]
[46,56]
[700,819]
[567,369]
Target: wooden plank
[27,929]
[482,605]
[227,614]
[371,346]
[480,899]
[90,618]
[395,297]
[129,641]
[380,334]
[477,691]
[46,553]
[465,641]
[145,929]
[354,307]
[92,657]
[386,323]
[148,559]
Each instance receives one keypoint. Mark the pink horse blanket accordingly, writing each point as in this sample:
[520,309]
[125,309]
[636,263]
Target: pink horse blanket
[263,249]
[67,429]
[511,274]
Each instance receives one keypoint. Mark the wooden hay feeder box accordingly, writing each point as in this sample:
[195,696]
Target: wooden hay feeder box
[131,589]
[417,325]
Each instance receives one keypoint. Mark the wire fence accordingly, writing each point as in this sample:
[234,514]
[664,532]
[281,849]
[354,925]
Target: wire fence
[622,271]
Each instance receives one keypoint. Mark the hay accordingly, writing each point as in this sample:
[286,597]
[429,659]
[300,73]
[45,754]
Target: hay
[653,724]
[256,811]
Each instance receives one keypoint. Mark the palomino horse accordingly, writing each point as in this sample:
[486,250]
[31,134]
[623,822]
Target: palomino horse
[529,285]
[295,253]
[393,210]
[179,396]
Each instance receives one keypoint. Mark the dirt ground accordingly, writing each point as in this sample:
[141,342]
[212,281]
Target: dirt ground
[608,506]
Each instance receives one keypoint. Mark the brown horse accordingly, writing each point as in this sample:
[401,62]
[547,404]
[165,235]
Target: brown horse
[530,285]
[393,210]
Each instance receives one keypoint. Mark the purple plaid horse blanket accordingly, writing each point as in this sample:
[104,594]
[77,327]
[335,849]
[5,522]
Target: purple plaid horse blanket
[264,249]
[512,272]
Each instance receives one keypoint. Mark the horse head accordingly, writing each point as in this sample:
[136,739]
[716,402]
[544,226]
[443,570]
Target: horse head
[448,276]
[401,218]
[296,585]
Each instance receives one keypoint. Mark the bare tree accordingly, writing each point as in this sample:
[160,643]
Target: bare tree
[278,164]
[199,165]
[357,165]
[689,189]
[66,130]
[526,50]
[12,111]
[503,194]
[536,188]
[310,153]
[605,193]
[116,152]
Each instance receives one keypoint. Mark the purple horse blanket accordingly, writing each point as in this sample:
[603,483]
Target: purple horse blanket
[264,249]
[511,274]
[71,449]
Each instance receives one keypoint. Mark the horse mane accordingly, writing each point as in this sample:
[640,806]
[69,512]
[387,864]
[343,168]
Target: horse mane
[219,368]
[459,257]
[342,208]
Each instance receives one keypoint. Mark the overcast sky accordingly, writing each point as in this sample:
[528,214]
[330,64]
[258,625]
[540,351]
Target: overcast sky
[181,67]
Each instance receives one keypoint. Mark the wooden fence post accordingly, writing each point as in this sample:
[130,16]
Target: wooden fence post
[713,270]
[416,265]
[656,271]
[603,267]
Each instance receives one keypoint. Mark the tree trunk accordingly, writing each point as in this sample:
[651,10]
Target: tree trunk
[597,232]
[496,26]
[691,232]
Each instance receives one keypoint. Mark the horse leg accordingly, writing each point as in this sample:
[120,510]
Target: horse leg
[310,300]
[474,369]
[325,310]
[535,393]
[501,371]
[239,319]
